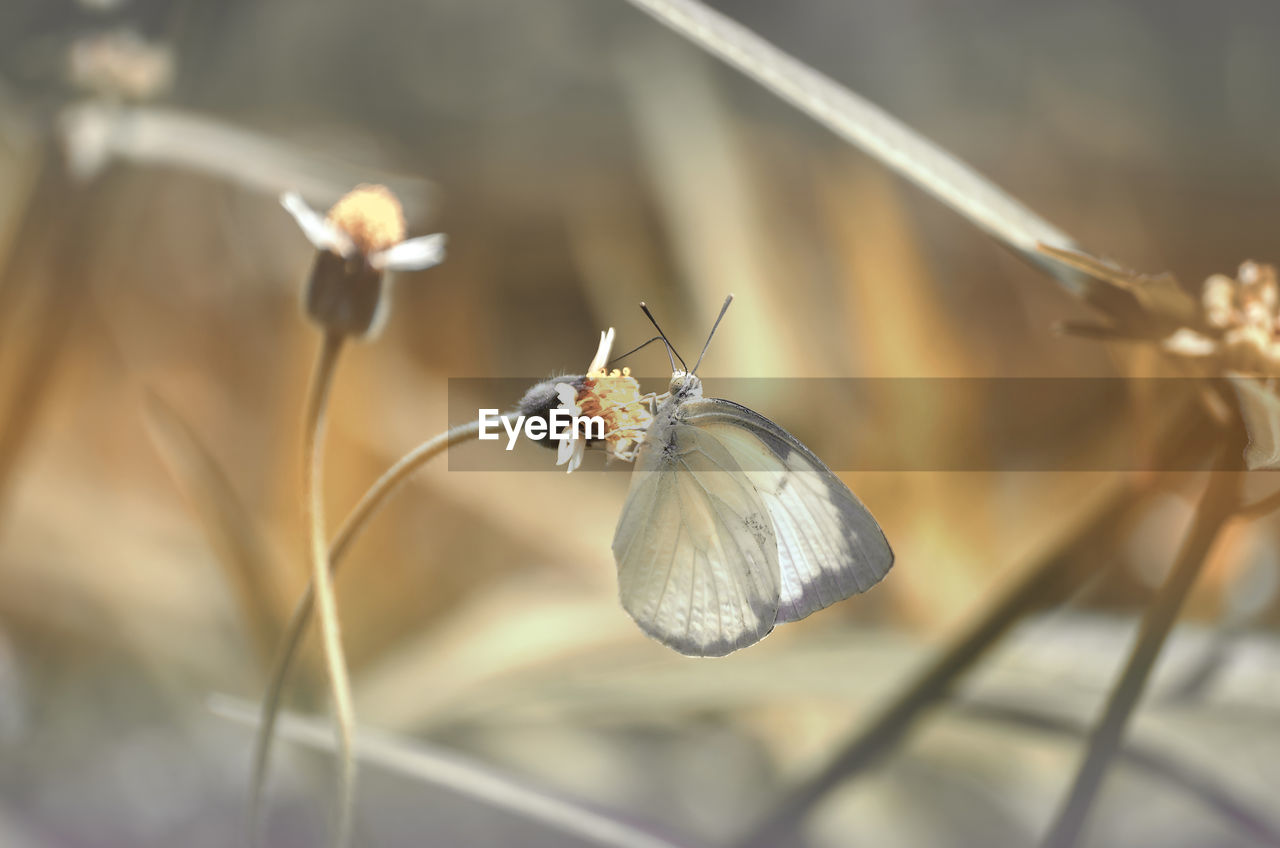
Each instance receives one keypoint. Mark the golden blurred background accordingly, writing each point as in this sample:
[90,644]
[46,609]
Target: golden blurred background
[154,358]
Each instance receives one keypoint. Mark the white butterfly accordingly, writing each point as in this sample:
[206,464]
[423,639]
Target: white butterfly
[732,526]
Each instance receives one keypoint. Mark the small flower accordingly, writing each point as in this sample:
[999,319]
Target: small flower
[1242,317]
[120,64]
[613,396]
[361,238]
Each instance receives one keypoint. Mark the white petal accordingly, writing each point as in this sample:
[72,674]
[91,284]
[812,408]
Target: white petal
[565,452]
[1188,342]
[317,230]
[579,450]
[413,255]
[568,397]
[602,353]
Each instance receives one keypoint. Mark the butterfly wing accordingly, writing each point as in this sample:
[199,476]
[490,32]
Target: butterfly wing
[696,552]
[829,545]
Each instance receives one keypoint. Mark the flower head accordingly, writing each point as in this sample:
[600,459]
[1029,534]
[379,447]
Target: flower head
[120,64]
[613,396]
[1243,320]
[360,238]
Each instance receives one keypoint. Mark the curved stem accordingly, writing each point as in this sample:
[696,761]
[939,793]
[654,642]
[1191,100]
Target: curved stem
[356,521]
[331,636]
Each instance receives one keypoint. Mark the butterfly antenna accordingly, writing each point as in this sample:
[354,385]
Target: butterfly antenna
[728,300]
[672,353]
[635,349]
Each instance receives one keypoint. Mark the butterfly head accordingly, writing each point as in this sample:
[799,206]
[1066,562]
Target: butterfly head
[685,385]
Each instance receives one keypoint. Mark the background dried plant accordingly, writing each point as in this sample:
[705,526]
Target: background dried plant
[581,159]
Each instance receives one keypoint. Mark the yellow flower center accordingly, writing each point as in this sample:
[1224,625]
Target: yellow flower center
[615,397]
[371,216]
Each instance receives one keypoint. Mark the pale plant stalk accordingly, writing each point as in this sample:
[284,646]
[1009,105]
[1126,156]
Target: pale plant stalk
[330,632]
[871,129]
[359,517]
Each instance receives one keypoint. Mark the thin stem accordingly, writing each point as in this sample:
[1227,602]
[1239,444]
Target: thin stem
[331,635]
[1219,502]
[1211,791]
[1040,582]
[356,521]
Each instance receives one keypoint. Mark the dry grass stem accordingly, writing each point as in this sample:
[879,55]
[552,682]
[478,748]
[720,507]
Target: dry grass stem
[232,530]
[871,129]
[1214,792]
[1220,500]
[1041,582]
[295,630]
[330,632]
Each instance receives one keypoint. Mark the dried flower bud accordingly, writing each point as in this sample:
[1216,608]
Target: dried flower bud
[360,239]
[1248,348]
[346,296]
[1256,314]
[1187,342]
[120,64]
[1241,330]
[1219,301]
[1249,273]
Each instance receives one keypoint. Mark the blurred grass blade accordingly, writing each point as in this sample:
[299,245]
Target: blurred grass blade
[42,285]
[1050,577]
[94,134]
[419,762]
[232,532]
[872,130]
[1040,583]
[1220,500]
[1213,791]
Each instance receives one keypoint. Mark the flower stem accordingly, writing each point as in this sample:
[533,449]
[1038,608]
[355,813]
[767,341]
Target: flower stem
[331,636]
[1220,500]
[356,521]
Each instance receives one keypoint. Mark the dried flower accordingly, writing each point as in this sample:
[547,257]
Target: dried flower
[1243,317]
[120,64]
[613,395]
[360,239]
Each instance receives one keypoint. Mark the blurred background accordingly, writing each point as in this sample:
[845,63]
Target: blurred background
[153,360]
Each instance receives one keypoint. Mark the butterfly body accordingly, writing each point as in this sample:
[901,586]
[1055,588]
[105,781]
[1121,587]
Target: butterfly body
[732,526]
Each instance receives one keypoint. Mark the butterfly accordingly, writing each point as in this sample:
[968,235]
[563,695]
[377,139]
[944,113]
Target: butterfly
[732,526]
